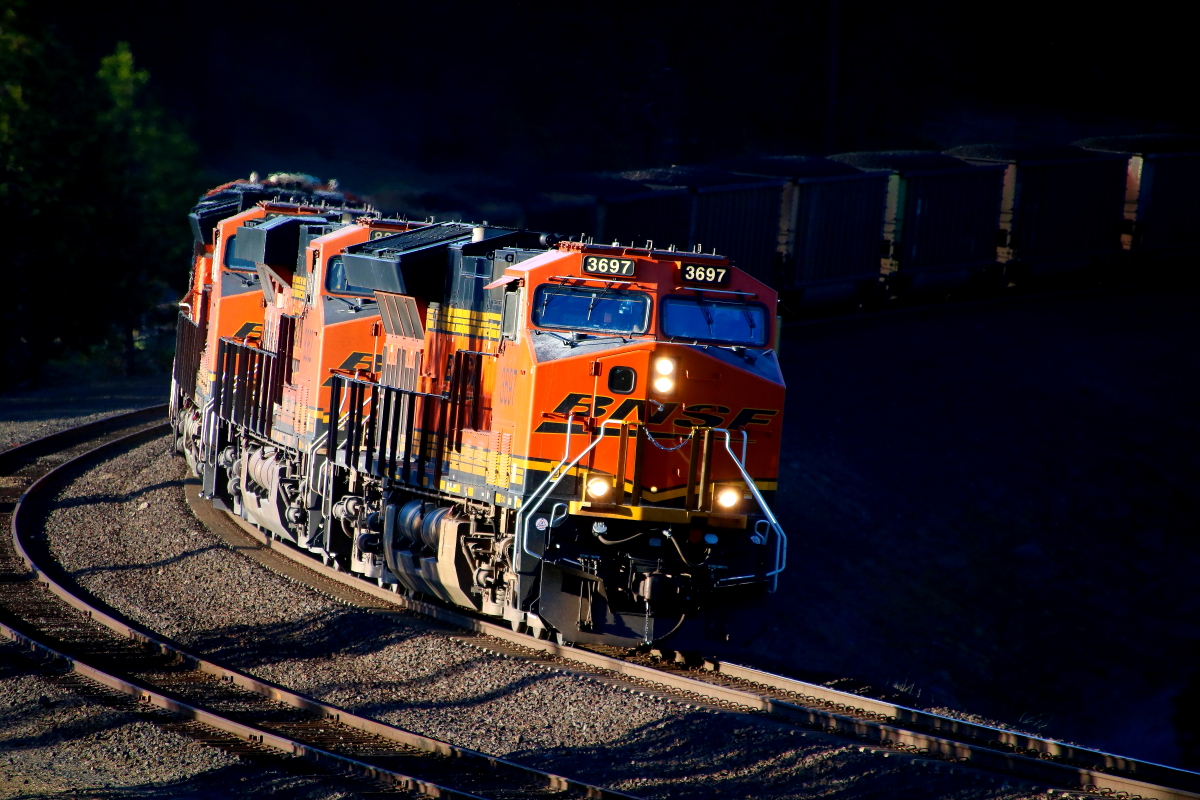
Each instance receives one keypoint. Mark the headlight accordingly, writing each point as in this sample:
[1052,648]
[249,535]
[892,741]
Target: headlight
[664,366]
[728,498]
[598,487]
[663,385]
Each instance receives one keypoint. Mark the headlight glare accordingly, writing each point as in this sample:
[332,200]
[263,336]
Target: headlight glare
[664,366]
[663,385]
[728,498]
[598,487]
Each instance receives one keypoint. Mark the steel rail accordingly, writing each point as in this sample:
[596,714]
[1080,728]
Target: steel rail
[812,706]
[19,455]
[506,776]
[873,721]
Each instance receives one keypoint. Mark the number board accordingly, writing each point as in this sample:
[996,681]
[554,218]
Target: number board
[698,273]
[599,265]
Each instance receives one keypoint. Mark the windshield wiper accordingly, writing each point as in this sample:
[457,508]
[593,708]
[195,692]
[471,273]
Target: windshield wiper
[354,306]
[560,337]
[747,315]
[609,338]
[707,316]
[551,293]
[596,299]
[576,342]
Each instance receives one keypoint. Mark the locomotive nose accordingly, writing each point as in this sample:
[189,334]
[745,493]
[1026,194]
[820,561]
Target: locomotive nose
[695,398]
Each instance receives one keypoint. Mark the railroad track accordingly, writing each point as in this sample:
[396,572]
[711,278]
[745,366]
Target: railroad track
[42,612]
[714,685]
[720,686]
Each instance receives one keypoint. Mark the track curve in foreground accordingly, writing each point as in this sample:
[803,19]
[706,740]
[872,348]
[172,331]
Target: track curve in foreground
[727,686]
[41,613]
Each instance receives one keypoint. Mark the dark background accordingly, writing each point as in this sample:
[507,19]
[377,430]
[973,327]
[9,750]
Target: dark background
[413,101]
[992,508]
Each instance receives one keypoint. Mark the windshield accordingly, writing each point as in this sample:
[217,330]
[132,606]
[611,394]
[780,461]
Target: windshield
[231,258]
[587,309]
[335,279]
[720,321]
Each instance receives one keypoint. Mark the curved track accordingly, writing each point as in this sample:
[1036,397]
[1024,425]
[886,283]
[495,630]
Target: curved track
[42,612]
[102,647]
[727,686]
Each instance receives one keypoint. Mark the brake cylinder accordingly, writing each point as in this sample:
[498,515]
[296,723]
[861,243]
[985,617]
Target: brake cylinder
[261,466]
[408,519]
[431,526]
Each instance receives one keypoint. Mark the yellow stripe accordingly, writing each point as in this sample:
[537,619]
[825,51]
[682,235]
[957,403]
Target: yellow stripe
[545,466]
[653,514]
[466,322]
[468,314]
[671,494]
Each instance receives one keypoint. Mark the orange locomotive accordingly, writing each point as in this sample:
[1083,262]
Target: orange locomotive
[224,298]
[581,439]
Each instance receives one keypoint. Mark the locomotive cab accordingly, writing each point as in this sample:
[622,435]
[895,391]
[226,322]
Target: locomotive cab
[655,410]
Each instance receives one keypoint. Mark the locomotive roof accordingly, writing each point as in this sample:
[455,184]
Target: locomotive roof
[395,246]
[412,240]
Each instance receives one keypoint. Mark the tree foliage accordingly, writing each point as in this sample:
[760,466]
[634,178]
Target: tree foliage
[146,157]
[95,182]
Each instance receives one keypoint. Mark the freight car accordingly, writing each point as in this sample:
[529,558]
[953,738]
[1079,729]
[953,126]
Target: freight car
[1161,203]
[857,228]
[581,439]
[1059,209]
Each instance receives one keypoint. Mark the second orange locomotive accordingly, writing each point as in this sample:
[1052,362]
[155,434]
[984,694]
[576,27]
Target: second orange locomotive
[581,439]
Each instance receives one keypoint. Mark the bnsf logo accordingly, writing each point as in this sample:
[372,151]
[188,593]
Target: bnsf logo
[702,415]
[248,329]
[367,362]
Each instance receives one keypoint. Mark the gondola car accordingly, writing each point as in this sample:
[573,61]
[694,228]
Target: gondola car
[581,439]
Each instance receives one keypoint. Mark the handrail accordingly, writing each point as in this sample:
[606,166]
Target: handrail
[521,544]
[781,540]
[711,291]
[369,427]
[209,431]
[562,469]
[521,512]
[565,278]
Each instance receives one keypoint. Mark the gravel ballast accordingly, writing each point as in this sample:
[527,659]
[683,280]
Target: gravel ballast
[29,415]
[126,534]
[53,742]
